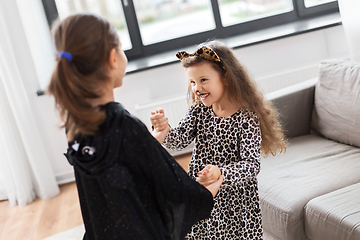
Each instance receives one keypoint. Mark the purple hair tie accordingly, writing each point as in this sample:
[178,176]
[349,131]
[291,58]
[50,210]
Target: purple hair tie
[66,55]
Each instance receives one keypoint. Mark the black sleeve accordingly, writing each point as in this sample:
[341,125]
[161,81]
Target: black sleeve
[111,207]
[185,201]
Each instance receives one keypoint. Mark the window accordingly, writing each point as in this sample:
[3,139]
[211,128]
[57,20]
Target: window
[147,27]
[110,9]
[235,12]
[311,3]
[164,20]
[315,7]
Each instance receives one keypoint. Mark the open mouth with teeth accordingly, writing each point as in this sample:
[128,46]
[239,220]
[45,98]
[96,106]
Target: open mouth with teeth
[203,96]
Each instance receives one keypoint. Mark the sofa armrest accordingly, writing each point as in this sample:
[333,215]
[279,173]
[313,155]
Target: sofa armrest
[295,104]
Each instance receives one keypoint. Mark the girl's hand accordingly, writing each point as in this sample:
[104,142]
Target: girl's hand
[160,125]
[208,175]
[158,120]
[215,186]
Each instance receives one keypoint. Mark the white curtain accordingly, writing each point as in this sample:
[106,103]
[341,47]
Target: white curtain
[25,169]
[350,17]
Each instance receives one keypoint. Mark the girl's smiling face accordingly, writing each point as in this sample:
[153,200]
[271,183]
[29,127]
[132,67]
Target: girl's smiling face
[206,83]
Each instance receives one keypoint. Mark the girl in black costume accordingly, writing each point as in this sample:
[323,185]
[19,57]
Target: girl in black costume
[129,186]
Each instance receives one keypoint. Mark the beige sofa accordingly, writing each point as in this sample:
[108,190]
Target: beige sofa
[313,190]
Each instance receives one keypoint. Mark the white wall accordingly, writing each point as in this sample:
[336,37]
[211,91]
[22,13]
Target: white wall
[270,58]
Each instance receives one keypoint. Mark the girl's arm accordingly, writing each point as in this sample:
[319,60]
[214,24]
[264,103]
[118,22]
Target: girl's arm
[184,134]
[249,142]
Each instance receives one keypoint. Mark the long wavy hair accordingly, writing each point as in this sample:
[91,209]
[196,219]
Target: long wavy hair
[89,39]
[243,90]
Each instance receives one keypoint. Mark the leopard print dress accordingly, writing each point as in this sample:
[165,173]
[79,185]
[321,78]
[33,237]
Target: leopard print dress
[233,144]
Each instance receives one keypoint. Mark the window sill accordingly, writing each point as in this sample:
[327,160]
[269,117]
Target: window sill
[244,40]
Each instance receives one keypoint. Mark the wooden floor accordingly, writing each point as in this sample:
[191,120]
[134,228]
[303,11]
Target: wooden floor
[43,218]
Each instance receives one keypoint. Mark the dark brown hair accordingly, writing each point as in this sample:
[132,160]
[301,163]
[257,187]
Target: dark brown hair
[242,89]
[89,39]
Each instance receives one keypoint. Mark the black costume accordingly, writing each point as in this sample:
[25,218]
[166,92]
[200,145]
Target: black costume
[130,187]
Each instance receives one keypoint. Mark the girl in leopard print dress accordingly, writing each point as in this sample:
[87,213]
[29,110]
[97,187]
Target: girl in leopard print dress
[232,125]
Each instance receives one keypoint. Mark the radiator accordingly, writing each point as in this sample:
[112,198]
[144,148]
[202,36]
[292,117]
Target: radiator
[274,82]
[174,108]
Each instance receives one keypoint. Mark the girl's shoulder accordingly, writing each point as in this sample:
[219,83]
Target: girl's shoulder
[118,116]
[247,114]
[114,111]
[112,108]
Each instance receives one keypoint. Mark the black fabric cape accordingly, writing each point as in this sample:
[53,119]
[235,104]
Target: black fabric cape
[130,187]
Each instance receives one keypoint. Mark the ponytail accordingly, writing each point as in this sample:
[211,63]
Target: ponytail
[79,74]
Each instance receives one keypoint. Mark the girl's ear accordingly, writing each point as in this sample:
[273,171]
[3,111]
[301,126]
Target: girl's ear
[112,59]
[225,79]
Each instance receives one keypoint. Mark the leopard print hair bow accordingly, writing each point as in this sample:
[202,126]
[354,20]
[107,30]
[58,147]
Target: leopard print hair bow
[204,52]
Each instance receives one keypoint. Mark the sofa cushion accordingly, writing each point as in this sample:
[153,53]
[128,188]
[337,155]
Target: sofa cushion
[336,113]
[335,215]
[312,166]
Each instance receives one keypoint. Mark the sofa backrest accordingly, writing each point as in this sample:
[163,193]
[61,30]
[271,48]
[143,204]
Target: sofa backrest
[336,113]
[295,104]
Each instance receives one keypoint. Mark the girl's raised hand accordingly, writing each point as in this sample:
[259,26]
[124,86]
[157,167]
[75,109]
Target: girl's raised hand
[158,120]
[160,125]
[208,175]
